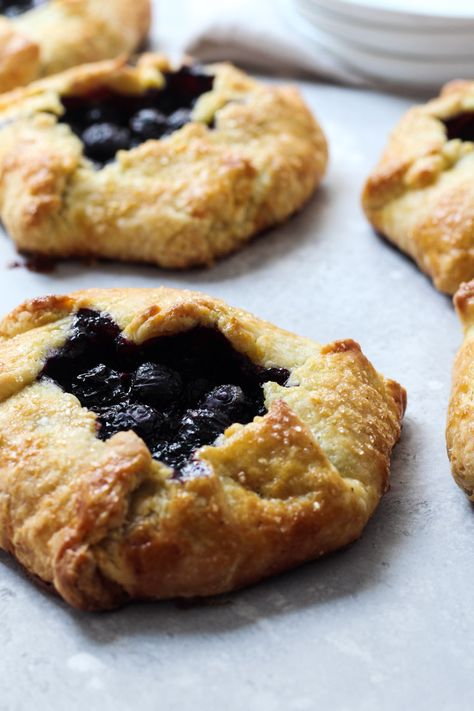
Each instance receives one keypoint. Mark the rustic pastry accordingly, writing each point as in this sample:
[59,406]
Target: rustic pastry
[41,37]
[147,163]
[158,443]
[421,194]
[460,426]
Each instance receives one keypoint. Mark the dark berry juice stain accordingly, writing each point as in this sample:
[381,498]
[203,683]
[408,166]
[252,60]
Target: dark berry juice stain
[13,8]
[107,122]
[460,126]
[177,392]
[38,263]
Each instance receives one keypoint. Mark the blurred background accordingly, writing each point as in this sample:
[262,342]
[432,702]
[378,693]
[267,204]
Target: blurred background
[404,44]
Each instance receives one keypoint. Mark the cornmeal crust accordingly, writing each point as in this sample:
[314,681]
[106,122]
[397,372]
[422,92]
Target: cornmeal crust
[177,202]
[64,33]
[460,425]
[421,194]
[104,522]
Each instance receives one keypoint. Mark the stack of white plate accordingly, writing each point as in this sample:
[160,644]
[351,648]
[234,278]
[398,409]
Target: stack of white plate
[420,43]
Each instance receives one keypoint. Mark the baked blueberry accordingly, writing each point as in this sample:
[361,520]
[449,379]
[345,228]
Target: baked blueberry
[177,120]
[460,126]
[12,8]
[176,392]
[90,330]
[176,454]
[103,140]
[107,121]
[156,384]
[98,386]
[148,123]
[229,399]
[196,428]
[202,426]
[144,420]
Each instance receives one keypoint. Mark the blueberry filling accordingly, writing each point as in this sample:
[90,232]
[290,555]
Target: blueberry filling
[107,122]
[12,8]
[176,392]
[460,126]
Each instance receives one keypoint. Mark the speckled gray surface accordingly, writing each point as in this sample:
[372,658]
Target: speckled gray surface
[383,625]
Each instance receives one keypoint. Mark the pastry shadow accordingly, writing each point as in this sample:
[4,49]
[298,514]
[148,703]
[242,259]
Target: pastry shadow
[271,245]
[410,262]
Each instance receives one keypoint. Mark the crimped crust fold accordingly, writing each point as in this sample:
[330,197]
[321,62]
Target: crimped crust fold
[421,193]
[460,423]
[64,33]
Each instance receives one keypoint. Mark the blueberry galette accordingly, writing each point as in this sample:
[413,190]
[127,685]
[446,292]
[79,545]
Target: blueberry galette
[421,194]
[460,425]
[157,443]
[150,163]
[41,37]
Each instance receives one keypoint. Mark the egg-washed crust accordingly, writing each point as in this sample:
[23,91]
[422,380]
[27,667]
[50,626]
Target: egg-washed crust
[64,33]
[460,423]
[177,202]
[104,522]
[421,194]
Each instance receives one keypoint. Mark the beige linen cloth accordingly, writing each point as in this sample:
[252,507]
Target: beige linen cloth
[259,34]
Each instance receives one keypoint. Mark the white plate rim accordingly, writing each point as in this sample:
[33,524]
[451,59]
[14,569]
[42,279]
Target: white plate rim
[378,14]
[448,44]
[390,74]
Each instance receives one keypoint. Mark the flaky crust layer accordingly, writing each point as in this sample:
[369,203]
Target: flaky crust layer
[177,202]
[103,522]
[421,194]
[64,33]
[460,424]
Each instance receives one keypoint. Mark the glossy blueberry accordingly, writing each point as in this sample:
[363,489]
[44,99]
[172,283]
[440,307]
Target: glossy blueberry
[107,122]
[156,384]
[103,140]
[175,454]
[93,325]
[202,425]
[144,420]
[88,329]
[176,392]
[229,399]
[148,123]
[98,386]
[90,326]
[177,120]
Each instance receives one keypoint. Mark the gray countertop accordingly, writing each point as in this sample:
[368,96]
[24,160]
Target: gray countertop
[384,624]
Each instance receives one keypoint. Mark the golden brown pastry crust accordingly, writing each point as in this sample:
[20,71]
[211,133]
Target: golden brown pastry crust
[176,202]
[421,194]
[460,424]
[64,33]
[104,522]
